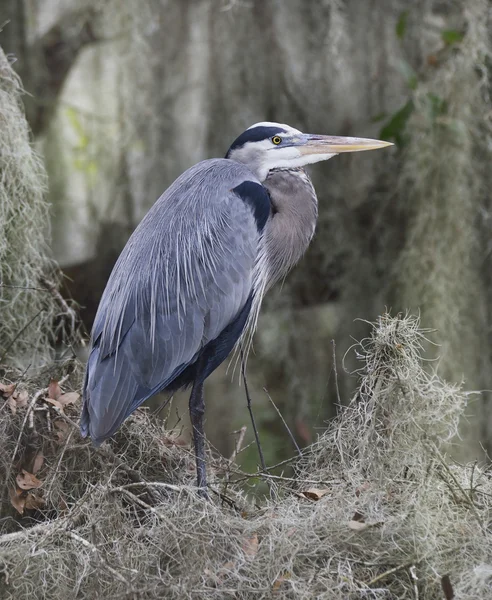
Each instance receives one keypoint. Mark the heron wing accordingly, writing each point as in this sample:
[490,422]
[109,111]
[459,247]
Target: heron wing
[183,277]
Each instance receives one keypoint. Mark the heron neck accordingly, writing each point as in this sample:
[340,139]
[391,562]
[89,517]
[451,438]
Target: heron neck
[291,227]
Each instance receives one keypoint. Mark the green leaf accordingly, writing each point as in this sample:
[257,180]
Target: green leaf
[437,106]
[379,117]
[409,74]
[395,128]
[73,117]
[401,25]
[452,36]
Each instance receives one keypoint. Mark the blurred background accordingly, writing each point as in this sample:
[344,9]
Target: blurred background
[122,96]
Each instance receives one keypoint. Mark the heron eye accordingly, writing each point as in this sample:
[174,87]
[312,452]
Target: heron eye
[276,140]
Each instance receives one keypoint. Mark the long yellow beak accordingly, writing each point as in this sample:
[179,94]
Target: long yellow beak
[329,144]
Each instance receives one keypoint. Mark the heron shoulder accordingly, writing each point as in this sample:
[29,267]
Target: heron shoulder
[220,176]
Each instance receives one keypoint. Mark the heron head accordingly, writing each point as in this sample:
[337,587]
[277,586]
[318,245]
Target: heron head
[267,146]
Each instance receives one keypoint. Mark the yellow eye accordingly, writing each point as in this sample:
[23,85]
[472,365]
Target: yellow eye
[276,140]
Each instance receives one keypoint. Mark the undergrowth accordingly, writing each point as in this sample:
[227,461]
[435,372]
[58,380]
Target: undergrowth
[374,509]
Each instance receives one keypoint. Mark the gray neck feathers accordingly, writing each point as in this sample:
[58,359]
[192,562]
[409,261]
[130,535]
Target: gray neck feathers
[292,225]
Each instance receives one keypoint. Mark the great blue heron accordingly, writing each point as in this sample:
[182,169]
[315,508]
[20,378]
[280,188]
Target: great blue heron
[189,283]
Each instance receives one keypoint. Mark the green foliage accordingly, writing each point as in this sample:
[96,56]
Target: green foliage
[451,36]
[395,128]
[84,160]
[401,25]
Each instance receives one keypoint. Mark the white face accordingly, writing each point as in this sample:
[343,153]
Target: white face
[265,155]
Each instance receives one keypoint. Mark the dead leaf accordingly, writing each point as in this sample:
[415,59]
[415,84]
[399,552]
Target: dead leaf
[17,499]
[12,404]
[171,440]
[358,525]
[54,390]
[278,582]
[250,546]
[358,522]
[18,400]
[38,462]
[21,398]
[314,493]
[432,60]
[7,389]
[34,502]
[27,481]
[303,431]
[68,398]
[55,404]
[63,429]
[363,488]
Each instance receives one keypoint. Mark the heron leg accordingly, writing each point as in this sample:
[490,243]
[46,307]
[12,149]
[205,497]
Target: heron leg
[197,409]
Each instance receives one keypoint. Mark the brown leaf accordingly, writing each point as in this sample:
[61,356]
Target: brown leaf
[303,431]
[18,400]
[34,502]
[17,499]
[68,398]
[363,488]
[432,60]
[38,462]
[278,582]
[21,398]
[62,505]
[7,389]
[314,493]
[54,390]
[358,525]
[55,404]
[250,546]
[12,404]
[62,428]
[27,481]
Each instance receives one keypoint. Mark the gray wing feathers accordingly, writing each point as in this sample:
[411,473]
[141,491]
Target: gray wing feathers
[184,275]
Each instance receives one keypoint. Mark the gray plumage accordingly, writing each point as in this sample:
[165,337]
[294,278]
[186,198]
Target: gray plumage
[189,284]
[186,271]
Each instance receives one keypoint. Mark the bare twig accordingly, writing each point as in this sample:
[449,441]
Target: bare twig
[336,373]
[95,551]
[53,290]
[17,336]
[123,490]
[413,574]
[253,422]
[239,443]
[158,484]
[62,454]
[466,497]
[292,438]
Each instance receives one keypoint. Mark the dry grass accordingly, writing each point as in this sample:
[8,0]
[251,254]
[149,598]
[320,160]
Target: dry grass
[388,517]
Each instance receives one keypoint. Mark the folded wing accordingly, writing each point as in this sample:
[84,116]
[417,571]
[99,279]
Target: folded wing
[184,276]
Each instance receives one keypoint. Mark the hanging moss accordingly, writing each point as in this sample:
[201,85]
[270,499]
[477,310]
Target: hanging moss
[28,281]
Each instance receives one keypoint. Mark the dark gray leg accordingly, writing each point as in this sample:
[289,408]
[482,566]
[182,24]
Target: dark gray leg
[197,408]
